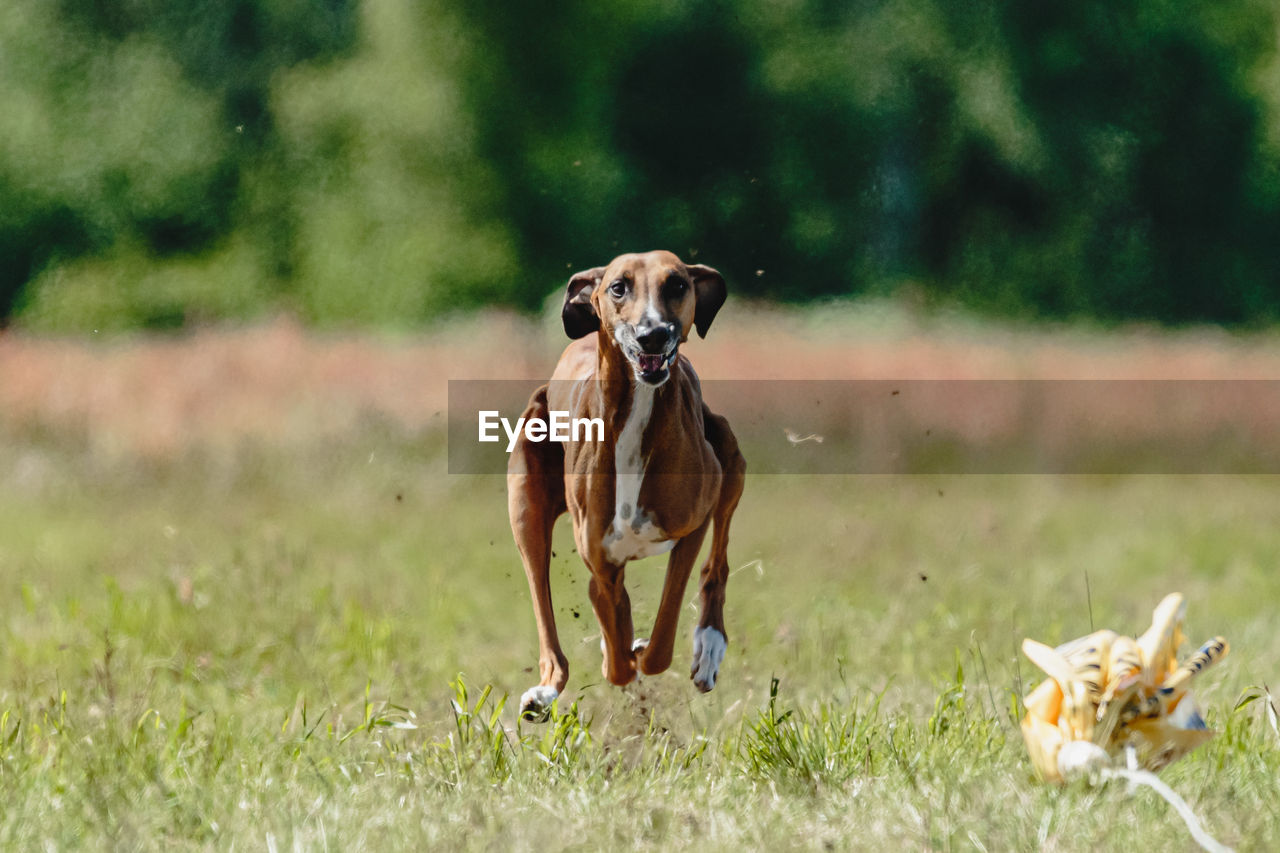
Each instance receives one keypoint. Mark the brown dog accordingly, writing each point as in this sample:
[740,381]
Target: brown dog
[665,470]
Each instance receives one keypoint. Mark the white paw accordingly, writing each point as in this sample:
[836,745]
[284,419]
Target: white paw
[636,645]
[708,651]
[535,704]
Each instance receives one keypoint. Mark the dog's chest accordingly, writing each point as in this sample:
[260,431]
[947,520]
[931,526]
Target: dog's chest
[632,533]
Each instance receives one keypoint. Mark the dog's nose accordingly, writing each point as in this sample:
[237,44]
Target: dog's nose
[655,339]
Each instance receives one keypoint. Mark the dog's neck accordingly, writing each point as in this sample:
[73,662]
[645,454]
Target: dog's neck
[617,381]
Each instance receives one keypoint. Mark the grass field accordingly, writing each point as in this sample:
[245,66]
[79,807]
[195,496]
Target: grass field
[294,630]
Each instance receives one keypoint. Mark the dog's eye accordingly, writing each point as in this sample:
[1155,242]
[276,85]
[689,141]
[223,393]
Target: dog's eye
[676,286]
[618,289]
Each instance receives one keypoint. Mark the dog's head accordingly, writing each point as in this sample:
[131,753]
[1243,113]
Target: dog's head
[646,304]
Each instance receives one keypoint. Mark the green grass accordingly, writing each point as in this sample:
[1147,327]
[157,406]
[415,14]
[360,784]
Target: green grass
[261,647]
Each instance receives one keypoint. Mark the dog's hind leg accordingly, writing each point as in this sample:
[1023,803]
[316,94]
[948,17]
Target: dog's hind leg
[535,499]
[709,638]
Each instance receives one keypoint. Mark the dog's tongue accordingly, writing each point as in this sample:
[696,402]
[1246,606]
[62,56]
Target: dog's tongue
[650,363]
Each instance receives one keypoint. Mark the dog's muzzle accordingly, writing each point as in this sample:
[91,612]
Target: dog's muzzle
[655,350]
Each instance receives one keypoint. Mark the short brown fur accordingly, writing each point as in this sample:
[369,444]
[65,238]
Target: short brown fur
[692,471]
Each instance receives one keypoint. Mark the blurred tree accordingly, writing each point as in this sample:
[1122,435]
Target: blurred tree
[391,211]
[385,161]
[101,140]
[1152,207]
[1104,159]
[630,126]
[133,123]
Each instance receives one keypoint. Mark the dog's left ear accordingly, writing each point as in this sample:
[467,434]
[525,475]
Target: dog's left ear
[578,314]
[709,293]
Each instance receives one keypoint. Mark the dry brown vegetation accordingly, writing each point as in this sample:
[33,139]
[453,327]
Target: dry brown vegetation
[237,584]
[160,395]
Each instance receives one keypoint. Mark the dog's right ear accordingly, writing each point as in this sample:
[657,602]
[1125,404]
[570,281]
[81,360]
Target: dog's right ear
[578,314]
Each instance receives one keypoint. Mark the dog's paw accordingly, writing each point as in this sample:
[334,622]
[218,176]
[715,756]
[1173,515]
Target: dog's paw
[535,704]
[708,651]
[638,645]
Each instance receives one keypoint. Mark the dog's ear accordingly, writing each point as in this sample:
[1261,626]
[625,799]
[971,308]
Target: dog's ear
[709,293]
[578,314]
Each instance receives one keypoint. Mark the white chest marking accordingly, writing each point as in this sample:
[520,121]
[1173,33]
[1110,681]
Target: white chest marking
[632,534]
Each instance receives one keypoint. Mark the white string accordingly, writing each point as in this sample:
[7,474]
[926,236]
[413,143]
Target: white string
[1146,777]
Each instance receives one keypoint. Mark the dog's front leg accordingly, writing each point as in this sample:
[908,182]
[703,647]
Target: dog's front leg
[709,638]
[613,611]
[656,656]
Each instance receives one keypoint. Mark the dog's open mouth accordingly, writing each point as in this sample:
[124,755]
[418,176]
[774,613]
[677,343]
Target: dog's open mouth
[651,363]
[652,367]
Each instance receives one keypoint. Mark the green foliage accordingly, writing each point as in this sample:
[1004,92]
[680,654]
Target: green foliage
[389,209]
[168,163]
[105,141]
[173,164]
[1096,160]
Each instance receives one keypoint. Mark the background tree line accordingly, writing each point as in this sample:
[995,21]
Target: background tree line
[163,163]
